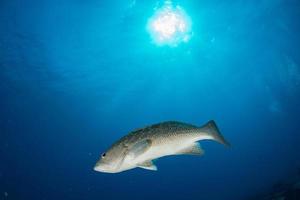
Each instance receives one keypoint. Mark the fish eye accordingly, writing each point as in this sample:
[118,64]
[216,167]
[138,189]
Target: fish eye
[103,155]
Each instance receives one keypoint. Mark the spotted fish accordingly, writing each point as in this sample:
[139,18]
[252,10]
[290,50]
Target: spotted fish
[140,147]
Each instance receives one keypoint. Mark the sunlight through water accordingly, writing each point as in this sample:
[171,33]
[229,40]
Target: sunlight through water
[170,25]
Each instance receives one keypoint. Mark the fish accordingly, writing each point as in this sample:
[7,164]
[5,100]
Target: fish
[140,147]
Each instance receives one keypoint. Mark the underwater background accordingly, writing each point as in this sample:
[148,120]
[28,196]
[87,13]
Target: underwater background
[76,75]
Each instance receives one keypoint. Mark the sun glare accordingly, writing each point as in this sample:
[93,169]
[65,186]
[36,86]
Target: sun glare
[169,25]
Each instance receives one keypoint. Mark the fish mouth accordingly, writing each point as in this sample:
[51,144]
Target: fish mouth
[98,169]
[102,168]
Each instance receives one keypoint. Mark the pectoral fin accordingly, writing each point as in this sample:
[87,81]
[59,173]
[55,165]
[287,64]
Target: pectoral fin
[139,148]
[148,165]
[193,149]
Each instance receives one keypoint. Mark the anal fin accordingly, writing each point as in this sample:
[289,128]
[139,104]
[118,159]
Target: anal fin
[148,165]
[193,149]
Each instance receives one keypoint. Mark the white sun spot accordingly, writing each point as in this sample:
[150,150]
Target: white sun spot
[169,25]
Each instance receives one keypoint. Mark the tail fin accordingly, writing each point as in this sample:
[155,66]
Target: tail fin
[212,129]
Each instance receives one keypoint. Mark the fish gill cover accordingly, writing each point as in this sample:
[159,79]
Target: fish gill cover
[77,75]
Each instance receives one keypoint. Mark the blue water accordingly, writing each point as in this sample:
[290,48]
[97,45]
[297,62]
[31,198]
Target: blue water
[77,75]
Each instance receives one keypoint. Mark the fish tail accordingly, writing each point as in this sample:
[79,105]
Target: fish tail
[212,129]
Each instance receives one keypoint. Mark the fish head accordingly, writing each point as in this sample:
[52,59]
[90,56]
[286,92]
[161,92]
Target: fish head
[112,161]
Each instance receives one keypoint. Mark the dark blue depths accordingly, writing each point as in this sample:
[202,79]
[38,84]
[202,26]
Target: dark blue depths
[77,75]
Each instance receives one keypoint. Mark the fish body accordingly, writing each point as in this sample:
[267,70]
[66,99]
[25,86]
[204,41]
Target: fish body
[140,147]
